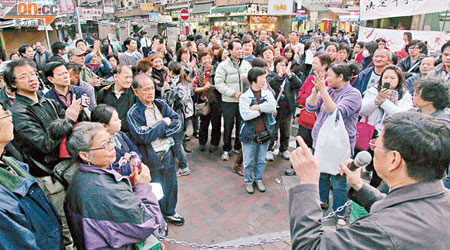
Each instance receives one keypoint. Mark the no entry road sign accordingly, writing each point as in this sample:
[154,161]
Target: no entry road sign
[184,14]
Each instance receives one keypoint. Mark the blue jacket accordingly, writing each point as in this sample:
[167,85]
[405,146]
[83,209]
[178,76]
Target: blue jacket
[362,80]
[143,136]
[268,105]
[28,220]
[126,147]
[78,91]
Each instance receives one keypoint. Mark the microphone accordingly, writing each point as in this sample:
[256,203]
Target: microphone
[362,159]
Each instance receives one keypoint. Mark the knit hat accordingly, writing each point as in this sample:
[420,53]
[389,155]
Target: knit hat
[201,41]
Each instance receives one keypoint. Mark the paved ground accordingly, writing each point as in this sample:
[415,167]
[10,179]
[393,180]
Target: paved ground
[219,211]
[217,208]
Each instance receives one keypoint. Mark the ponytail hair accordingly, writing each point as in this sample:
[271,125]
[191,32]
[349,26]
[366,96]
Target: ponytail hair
[176,68]
[344,69]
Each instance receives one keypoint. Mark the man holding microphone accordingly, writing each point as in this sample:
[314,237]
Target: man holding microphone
[415,212]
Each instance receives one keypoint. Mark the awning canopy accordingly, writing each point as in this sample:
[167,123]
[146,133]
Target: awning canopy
[316,8]
[339,11]
[202,8]
[229,9]
[177,7]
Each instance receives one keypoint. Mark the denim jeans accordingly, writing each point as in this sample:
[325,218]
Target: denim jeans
[339,184]
[447,179]
[180,154]
[254,161]
[231,116]
[167,177]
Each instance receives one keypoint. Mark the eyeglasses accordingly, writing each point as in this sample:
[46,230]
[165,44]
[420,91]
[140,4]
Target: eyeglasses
[372,144]
[27,76]
[108,146]
[8,114]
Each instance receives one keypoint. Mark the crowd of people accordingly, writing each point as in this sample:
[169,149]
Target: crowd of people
[73,120]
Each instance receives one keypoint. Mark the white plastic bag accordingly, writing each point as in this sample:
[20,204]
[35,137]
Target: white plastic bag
[333,144]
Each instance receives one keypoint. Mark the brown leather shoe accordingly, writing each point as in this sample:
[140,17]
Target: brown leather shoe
[238,169]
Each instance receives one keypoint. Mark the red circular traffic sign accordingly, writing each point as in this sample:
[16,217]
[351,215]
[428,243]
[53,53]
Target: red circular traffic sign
[184,14]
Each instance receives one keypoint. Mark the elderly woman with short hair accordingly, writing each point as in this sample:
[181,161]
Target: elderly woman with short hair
[104,209]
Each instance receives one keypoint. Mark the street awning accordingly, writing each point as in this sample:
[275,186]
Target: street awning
[177,7]
[202,8]
[229,9]
[339,11]
[316,8]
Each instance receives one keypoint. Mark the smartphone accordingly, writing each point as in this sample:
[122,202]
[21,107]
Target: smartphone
[387,85]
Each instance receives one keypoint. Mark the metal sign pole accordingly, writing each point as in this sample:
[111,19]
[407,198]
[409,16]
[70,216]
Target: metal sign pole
[47,36]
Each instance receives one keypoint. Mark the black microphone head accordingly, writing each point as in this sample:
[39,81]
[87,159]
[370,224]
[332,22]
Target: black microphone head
[362,159]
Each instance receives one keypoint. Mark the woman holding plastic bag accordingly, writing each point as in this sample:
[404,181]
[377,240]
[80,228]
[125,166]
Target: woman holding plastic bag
[334,133]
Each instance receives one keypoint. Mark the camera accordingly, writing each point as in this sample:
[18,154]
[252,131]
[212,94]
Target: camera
[387,85]
[84,99]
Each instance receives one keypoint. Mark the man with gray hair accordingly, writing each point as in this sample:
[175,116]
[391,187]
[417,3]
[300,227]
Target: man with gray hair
[152,126]
[370,76]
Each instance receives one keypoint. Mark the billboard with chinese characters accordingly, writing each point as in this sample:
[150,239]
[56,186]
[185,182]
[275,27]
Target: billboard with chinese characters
[375,9]
[394,38]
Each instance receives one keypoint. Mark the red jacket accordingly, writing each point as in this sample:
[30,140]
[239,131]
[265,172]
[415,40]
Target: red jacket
[304,92]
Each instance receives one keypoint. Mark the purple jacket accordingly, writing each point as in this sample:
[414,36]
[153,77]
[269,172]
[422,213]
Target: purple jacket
[103,211]
[348,102]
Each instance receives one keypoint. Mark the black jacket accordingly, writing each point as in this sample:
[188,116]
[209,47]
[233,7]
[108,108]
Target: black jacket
[291,87]
[405,65]
[123,104]
[4,99]
[31,121]
[259,47]
[57,58]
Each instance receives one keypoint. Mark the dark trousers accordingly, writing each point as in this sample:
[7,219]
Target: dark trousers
[284,125]
[215,118]
[231,116]
[305,133]
[167,177]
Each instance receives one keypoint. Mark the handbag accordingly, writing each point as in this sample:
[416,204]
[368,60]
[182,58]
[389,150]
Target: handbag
[202,109]
[307,119]
[364,133]
[262,137]
[332,144]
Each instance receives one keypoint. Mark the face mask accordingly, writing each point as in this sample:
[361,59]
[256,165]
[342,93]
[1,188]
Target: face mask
[366,53]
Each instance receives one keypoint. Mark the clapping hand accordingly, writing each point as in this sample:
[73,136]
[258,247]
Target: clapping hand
[319,82]
[74,110]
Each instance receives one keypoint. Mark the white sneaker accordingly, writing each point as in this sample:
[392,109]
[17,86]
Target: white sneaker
[269,156]
[286,154]
[226,156]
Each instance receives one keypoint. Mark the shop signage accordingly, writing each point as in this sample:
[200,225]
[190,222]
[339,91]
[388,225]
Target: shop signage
[108,10]
[394,38]
[34,10]
[184,14]
[153,17]
[91,12]
[371,9]
[147,6]
[165,19]
[280,7]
